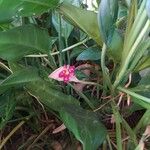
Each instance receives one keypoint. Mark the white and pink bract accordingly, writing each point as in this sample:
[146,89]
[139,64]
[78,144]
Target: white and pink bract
[64,73]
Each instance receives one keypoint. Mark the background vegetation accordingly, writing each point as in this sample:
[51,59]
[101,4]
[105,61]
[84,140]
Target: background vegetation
[109,45]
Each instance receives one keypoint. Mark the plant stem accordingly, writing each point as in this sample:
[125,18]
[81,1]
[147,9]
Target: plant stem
[106,78]
[64,50]
[11,133]
[109,142]
[118,125]
[60,45]
[68,56]
[83,96]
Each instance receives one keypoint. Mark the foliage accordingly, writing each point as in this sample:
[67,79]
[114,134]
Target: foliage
[109,47]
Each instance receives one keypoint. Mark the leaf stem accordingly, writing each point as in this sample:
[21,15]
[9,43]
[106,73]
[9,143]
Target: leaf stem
[64,50]
[2,65]
[106,78]
[83,96]
[60,45]
[118,125]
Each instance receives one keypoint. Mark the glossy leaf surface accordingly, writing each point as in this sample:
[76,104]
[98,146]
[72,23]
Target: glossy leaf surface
[92,53]
[84,124]
[20,41]
[78,17]
[148,8]
[107,16]
[12,9]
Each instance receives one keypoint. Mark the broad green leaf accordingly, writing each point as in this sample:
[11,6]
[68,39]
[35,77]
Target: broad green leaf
[75,52]
[85,20]
[11,9]
[73,2]
[115,46]
[18,78]
[89,25]
[107,15]
[148,8]
[52,98]
[84,124]
[20,41]
[36,7]
[21,76]
[7,107]
[92,53]
[66,28]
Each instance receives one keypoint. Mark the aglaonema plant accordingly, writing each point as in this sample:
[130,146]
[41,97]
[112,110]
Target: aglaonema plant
[21,47]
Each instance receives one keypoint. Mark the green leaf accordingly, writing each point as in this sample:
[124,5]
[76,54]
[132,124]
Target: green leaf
[18,78]
[52,98]
[66,28]
[20,41]
[143,64]
[143,86]
[78,17]
[75,52]
[21,76]
[11,9]
[134,28]
[115,46]
[137,97]
[92,53]
[73,2]
[8,10]
[131,17]
[36,7]
[148,8]
[138,101]
[7,107]
[84,124]
[141,49]
[107,16]
[80,75]
[142,95]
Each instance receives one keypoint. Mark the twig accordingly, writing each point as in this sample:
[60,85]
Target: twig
[11,133]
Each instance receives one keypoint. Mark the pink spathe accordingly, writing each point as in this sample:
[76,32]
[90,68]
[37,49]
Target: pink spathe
[64,73]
